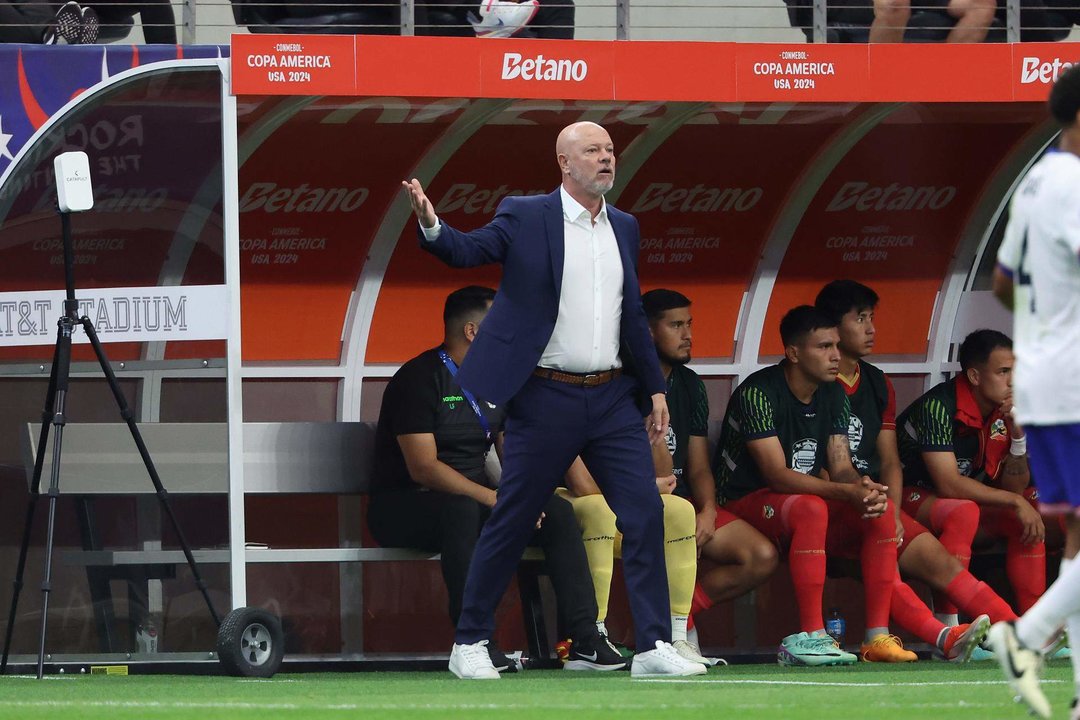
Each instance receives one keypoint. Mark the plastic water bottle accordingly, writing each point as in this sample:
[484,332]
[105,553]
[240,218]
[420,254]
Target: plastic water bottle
[835,626]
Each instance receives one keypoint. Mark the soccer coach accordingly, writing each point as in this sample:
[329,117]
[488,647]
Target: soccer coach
[552,349]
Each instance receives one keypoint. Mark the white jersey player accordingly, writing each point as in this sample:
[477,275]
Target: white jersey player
[1038,275]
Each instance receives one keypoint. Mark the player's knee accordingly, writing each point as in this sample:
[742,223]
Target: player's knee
[958,518]
[762,559]
[679,517]
[981,10]
[594,516]
[895,11]
[806,511]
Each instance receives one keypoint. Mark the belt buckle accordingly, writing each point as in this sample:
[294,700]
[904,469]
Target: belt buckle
[590,380]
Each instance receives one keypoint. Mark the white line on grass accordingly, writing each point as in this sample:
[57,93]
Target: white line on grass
[818,683]
[262,707]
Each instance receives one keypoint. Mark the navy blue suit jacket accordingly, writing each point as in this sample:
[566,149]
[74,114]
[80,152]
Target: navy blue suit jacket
[527,237]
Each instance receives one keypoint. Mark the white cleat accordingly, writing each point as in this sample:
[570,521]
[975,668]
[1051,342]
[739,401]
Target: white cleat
[664,662]
[691,652]
[472,662]
[1021,666]
[503,18]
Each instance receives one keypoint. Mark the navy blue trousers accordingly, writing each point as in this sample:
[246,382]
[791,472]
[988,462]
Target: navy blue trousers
[548,424]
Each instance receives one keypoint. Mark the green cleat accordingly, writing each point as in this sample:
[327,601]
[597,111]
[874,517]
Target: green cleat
[813,651]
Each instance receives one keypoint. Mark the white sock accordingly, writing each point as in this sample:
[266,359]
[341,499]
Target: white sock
[601,627]
[678,627]
[692,636]
[950,619]
[874,632]
[1061,601]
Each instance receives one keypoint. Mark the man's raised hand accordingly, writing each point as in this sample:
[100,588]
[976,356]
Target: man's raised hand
[425,213]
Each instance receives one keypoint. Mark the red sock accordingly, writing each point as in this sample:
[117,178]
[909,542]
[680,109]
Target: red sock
[878,556]
[975,598]
[1025,566]
[806,520]
[955,523]
[701,601]
[911,613]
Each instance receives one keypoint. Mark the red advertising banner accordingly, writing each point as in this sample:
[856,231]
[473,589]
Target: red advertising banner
[674,71]
[926,72]
[1035,67]
[418,67]
[797,73]
[559,69]
[294,64]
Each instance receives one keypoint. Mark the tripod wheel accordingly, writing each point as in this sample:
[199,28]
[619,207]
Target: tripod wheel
[251,643]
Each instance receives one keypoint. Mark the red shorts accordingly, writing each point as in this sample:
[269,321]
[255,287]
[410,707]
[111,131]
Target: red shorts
[723,517]
[912,529]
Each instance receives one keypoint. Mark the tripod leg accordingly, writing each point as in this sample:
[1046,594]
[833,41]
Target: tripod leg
[62,371]
[35,492]
[162,493]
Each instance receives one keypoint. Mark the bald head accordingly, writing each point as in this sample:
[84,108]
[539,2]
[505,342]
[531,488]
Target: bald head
[586,157]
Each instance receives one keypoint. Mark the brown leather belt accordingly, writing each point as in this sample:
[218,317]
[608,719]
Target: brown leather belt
[579,379]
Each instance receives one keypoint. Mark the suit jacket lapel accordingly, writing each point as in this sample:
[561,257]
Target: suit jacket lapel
[556,237]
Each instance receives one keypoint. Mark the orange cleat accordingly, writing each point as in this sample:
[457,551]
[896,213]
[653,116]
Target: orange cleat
[887,648]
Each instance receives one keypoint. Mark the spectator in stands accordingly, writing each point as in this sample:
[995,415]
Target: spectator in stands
[432,492]
[740,557]
[958,442]
[973,19]
[38,21]
[872,438]
[156,16]
[783,465]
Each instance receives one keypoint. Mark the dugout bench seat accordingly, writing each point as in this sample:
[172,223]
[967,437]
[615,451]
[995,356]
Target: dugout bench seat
[331,458]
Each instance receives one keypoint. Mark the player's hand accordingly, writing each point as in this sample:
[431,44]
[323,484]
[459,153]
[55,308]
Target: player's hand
[658,419]
[540,520]
[666,484]
[1034,529]
[1008,411]
[489,498]
[899,530]
[873,498]
[706,525]
[425,213]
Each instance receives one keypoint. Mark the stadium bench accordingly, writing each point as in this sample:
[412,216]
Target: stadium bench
[192,458]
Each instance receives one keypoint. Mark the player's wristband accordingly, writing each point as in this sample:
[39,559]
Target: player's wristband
[1019,446]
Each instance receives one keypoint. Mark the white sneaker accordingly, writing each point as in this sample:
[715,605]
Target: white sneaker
[503,18]
[691,652]
[472,662]
[1021,667]
[664,661]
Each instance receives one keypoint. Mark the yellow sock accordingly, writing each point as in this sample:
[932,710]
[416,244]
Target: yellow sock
[680,552]
[598,533]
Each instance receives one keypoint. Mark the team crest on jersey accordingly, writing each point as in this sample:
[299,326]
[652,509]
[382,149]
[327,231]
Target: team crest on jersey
[963,466]
[804,455]
[768,512]
[914,496]
[998,429]
[854,432]
[672,443]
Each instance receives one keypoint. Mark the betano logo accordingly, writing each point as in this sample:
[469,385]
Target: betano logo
[540,68]
[1035,70]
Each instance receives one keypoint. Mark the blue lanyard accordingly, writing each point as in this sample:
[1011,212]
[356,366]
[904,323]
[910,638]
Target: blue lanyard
[453,368]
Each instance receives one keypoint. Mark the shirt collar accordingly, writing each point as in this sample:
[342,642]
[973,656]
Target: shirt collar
[573,210]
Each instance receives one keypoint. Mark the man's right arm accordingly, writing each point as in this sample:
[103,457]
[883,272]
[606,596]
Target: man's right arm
[457,249]
[768,455]
[422,461]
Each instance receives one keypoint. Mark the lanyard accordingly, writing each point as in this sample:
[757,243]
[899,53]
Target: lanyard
[452,367]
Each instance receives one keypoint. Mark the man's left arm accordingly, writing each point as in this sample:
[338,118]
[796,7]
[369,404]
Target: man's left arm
[1014,474]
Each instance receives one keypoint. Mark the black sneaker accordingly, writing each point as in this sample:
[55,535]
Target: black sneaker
[593,653]
[65,26]
[89,26]
[498,658]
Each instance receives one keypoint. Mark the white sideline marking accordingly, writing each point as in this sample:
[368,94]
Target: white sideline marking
[739,681]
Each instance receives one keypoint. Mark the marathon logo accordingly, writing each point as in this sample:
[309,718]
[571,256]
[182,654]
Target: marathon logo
[863,197]
[1034,70]
[270,198]
[540,68]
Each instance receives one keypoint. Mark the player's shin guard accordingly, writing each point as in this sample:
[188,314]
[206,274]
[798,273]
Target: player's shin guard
[680,554]
[806,521]
[597,523]
[976,598]
[878,556]
[955,523]
[911,614]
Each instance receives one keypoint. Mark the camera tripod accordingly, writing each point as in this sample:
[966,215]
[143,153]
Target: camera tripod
[54,416]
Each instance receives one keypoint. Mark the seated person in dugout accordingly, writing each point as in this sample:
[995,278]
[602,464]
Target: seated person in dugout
[958,443]
[784,426]
[734,558]
[973,19]
[872,438]
[431,491]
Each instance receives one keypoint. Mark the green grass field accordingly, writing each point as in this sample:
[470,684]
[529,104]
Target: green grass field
[911,692]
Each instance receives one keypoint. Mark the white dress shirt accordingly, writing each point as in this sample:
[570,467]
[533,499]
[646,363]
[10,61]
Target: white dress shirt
[586,334]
